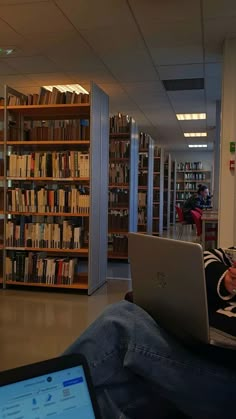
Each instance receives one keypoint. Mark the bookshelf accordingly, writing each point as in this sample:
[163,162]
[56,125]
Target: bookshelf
[169,192]
[123,184]
[188,177]
[143,178]
[157,187]
[2,205]
[55,189]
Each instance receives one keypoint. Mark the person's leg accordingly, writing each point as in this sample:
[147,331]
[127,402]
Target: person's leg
[132,359]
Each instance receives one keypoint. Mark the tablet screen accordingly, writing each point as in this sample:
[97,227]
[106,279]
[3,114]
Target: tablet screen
[62,394]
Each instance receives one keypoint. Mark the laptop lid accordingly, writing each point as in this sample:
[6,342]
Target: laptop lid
[60,388]
[169,283]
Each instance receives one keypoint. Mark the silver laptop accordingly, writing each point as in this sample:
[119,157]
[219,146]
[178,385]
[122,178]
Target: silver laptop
[168,279]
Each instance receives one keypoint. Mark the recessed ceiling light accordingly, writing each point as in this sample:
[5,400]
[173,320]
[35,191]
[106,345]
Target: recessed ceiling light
[190,116]
[195,134]
[68,88]
[4,52]
[197,145]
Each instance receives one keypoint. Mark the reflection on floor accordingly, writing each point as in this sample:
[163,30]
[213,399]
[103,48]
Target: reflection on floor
[40,325]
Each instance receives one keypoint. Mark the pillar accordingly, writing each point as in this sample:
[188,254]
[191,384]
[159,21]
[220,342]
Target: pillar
[227,218]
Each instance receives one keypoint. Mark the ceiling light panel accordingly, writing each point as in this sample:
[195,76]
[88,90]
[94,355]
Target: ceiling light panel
[195,134]
[197,145]
[190,116]
[68,88]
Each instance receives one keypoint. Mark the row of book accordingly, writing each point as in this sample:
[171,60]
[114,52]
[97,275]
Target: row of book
[142,199]
[182,196]
[47,97]
[194,176]
[143,162]
[143,141]
[118,244]
[67,200]
[118,173]
[142,216]
[48,164]
[143,178]
[118,197]
[118,220]
[119,149]
[190,166]
[61,235]
[119,123]
[36,268]
[65,130]
[155,211]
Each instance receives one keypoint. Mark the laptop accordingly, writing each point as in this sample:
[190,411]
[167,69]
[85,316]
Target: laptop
[60,388]
[168,279]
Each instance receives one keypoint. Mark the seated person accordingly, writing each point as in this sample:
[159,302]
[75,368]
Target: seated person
[201,199]
[141,371]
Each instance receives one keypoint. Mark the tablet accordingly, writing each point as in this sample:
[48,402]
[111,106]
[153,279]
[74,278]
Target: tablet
[59,388]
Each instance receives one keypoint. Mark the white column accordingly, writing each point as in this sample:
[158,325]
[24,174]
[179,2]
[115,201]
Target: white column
[216,168]
[228,133]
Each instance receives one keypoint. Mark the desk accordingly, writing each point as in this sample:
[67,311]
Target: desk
[208,217]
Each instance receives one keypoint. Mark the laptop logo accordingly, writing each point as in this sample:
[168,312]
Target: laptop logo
[160,280]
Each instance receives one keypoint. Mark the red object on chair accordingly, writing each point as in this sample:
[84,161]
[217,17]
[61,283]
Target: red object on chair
[198,210]
[180,214]
[197,220]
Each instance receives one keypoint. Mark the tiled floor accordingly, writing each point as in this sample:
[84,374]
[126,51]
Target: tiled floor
[39,325]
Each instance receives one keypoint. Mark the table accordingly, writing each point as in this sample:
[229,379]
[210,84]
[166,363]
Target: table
[208,217]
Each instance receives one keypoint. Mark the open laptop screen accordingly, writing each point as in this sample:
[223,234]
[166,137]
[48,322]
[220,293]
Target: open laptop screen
[61,395]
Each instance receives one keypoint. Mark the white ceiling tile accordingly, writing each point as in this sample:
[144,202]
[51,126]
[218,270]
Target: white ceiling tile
[90,15]
[216,30]
[36,64]
[17,81]
[6,69]
[188,101]
[179,55]
[8,36]
[98,74]
[187,71]
[213,70]
[17,2]
[166,11]
[130,67]
[37,17]
[213,89]
[113,42]
[219,8]
[51,78]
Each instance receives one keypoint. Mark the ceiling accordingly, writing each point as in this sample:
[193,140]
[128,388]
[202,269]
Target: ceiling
[126,46]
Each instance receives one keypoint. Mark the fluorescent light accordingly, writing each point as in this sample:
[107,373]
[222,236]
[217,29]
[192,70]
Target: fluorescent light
[195,134]
[68,88]
[190,116]
[197,145]
[4,52]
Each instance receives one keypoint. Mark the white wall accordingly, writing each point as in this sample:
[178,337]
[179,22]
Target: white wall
[206,157]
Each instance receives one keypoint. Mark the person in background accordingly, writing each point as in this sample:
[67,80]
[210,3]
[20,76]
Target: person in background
[139,370]
[201,200]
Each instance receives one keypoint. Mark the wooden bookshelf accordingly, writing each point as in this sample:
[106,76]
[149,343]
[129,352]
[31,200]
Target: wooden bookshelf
[55,142]
[62,122]
[187,180]
[156,227]
[47,214]
[123,158]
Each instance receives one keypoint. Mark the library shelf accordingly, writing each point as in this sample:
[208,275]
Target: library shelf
[52,214]
[119,135]
[193,171]
[118,159]
[68,142]
[75,286]
[122,232]
[119,186]
[156,218]
[142,188]
[143,150]
[156,202]
[2,178]
[118,208]
[157,158]
[156,173]
[196,181]
[48,250]
[113,255]
[53,111]
[49,179]
[1,246]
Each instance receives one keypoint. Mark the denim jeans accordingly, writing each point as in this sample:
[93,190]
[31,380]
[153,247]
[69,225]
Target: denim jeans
[140,371]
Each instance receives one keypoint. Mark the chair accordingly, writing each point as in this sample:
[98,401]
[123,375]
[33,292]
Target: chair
[197,218]
[182,221]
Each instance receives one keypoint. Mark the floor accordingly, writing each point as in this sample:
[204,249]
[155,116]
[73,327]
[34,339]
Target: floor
[39,325]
